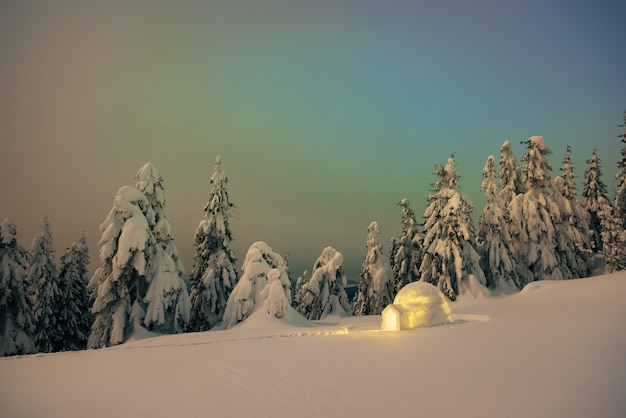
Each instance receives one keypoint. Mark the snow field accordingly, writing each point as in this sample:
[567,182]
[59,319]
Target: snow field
[555,349]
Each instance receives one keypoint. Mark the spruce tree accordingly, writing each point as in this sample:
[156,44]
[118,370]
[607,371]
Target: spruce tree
[595,199]
[140,280]
[376,284]
[450,260]
[73,281]
[533,217]
[573,234]
[607,229]
[510,174]
[167,299]
[494,240]
[613,239]
[45,293]
[324,293]
[570,190]
[119,286]
[406,254]
[300,290]
[620,195]
[16,321]
[150,183]
[214,274]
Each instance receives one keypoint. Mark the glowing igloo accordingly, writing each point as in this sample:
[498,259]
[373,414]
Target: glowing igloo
[418,304]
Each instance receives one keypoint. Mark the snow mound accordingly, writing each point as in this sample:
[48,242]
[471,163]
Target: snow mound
[418,304]
[275,311]
[264,279]
[472,287]
[262,320]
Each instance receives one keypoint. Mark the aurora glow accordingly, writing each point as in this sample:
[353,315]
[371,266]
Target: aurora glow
[326,113]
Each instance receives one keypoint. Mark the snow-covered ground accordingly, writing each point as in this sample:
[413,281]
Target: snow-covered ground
[556,349]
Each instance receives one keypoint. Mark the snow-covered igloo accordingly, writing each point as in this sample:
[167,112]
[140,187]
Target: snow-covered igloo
[418,304]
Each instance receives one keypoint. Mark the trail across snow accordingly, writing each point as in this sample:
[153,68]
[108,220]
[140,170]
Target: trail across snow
[556,349]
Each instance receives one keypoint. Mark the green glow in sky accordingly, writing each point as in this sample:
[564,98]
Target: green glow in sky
[326,113]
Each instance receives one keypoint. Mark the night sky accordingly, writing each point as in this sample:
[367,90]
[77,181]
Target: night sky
[326,113]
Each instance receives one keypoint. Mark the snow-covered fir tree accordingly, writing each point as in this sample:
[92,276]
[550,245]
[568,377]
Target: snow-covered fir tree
[214,274]
[450,259]
[533,217]
[45,293]
[168,303]
[613,239]
[73,282]
[300,291]
[376,284]
[288,271]
[494,240]
[249,290]
[150,183]
[620,194]
[324,293]
[595,199]
[570,190]
[573,233]
[119,286]
[406,254]
[16,321]
[139,283]
[510,174]
[607,229]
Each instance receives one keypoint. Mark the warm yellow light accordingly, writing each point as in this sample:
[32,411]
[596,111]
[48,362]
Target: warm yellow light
[391,321]
[418,304]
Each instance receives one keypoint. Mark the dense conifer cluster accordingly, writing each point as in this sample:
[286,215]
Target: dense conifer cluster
[532,227]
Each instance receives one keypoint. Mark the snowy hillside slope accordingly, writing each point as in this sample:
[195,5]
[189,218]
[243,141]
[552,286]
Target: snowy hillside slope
[555,349]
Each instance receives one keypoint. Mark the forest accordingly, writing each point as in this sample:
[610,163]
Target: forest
[533,227]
